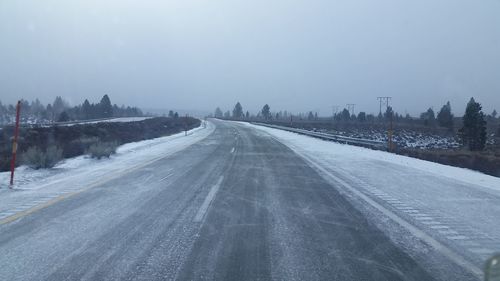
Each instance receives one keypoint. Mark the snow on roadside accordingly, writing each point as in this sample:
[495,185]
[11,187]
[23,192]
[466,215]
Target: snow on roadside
[111,120]
[336,150]
[84,166]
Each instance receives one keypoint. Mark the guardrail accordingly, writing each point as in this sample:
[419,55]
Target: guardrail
[380,145]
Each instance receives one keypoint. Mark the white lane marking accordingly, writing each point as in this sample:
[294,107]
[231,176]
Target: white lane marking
[439,227]
[210,197]
[448,232]
[481,251]
[166,177]
[232,150]
[457,237]
[418,233]
[431,222]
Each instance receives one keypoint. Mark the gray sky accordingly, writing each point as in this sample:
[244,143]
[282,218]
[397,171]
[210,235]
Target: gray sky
[295,55]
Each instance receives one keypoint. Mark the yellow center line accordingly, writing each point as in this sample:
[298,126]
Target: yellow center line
[68,195]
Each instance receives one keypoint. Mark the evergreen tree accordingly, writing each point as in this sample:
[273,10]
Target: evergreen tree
[444,117]
[86,110]
[345,115]
[218,113]
[362,116]
[63,117]
[266,112]
[473,132]
[238,111]
[247,115]
[227,114]
[389,113]
[58,106]
[428,117]
[171,113]
[310,116]
[105,107]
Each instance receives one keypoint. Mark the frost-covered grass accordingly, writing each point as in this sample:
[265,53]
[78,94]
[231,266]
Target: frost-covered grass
[102,149]
[36,158]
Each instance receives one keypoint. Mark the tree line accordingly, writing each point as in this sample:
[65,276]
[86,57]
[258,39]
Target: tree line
[472,132]
[61,111]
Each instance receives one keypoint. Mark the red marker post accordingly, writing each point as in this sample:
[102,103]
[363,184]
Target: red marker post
[14,145]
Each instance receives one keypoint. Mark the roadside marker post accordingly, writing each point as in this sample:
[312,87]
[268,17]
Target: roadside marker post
[14,145]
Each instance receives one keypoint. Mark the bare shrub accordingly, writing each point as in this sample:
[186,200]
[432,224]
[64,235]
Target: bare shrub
[39,159]
[102,149]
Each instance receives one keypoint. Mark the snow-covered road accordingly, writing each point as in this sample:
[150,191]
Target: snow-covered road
[456,210]
[248,202]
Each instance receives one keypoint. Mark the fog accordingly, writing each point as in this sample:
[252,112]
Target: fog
[293,55]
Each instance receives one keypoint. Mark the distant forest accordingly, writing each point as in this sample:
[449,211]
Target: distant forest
[444,118]
[473,128]
[35,112]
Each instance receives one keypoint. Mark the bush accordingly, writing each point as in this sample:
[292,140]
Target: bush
[102,149]
[38,159]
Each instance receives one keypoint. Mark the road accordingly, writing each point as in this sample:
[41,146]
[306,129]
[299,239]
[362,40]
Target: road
[237,205]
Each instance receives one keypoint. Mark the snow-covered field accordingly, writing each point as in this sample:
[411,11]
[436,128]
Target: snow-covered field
[112,120]
[404,138]
[45,122]
[454,210]
[33,187]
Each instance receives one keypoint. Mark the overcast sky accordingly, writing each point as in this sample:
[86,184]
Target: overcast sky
[295,55]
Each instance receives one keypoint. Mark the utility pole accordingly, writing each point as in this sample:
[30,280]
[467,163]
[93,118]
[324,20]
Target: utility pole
[350,108]
[385,100]
[14,145]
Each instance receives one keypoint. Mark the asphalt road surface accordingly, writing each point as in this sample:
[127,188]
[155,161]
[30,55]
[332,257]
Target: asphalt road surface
[237,205]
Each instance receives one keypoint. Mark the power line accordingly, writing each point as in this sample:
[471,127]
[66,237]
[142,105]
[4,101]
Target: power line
[350,108]
[384,101]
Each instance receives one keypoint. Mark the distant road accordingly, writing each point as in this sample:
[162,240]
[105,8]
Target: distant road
[237,205]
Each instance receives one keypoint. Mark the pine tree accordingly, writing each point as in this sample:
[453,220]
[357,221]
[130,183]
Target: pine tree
[444,117]
[63,117]
[218,113]
[86,110]
[238,111]
[345,115]
[266,112]
[428,117]
[473,132]
[310,116]
[105,107]
[362,116]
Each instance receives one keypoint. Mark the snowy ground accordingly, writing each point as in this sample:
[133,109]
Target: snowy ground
[112,120]
[34,187]
[454,210]
[404,138]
